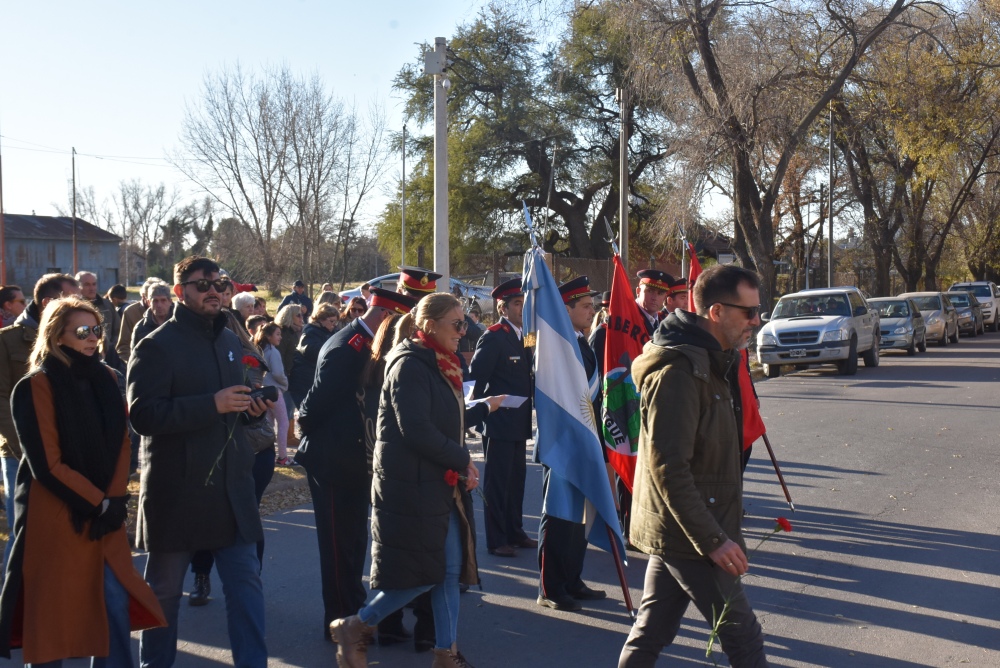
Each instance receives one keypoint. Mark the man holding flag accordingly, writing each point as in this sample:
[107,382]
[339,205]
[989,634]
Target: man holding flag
[562,544]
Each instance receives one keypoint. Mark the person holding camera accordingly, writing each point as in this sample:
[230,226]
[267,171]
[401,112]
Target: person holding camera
[189,400]
[71,589]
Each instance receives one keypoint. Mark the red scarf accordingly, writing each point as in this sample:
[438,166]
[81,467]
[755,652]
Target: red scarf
[447,361]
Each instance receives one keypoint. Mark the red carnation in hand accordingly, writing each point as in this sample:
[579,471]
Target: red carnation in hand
[783,524]
[451,477]
[250,361]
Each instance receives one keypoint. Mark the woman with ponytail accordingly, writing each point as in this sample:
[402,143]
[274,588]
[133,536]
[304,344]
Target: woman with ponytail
[422,515]
[70,588]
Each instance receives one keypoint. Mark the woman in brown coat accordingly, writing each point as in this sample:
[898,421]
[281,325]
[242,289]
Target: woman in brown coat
[71,589]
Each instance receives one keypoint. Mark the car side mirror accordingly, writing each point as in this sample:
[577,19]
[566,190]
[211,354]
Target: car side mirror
[764,317]
[861,310]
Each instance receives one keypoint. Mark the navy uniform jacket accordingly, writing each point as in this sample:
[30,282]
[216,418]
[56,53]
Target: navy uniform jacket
[333,446]
[502,365]
[599,336]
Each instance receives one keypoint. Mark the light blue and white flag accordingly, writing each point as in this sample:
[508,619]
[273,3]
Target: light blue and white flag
[567,440]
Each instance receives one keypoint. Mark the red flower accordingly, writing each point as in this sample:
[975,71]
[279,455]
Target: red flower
[783,524]
[451,477]
[250,361]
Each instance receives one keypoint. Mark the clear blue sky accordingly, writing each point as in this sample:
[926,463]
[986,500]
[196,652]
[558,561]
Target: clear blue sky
[112,78]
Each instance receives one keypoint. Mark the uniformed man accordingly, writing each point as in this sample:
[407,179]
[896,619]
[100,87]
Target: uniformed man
[502,365]
[333,454]
[417,282]
[654,285]
[677,297]
[562,544]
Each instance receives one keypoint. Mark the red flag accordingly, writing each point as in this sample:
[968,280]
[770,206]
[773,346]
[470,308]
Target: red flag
[753,425]
[626,334]
[693,274]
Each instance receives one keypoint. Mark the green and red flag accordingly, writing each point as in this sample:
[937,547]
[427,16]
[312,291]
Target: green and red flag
[626,334]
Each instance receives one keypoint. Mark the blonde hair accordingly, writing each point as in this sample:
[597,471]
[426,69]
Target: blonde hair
[431,307]
[53,325]
[286,316]
[324,311]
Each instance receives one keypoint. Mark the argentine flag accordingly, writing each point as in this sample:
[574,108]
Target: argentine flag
[567,440]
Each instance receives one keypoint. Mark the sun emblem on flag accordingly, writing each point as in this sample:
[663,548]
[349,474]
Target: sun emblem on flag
[587,412]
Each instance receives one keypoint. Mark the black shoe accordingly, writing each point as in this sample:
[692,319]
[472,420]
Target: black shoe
[585,593]
[462,587]
[566,604]
[421,645]
[201,594]
[392,633]
[504,551]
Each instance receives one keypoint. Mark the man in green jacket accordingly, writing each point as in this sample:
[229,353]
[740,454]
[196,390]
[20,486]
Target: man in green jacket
[687,501]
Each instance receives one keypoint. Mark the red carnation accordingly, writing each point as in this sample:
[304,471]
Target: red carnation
[250,361]
[783,524]
[451,477]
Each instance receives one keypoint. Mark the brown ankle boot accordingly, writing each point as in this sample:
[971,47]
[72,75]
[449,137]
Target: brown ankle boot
[445,658]
[352,637]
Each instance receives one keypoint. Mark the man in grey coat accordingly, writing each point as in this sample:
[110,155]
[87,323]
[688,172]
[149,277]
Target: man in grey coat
[188,399]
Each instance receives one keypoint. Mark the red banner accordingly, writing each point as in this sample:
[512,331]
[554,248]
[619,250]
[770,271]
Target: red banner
[626,334]
[693,274]
[753,425]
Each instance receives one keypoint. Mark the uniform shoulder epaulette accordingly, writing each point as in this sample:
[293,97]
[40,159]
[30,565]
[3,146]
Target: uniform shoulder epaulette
[497,327]
[358,342]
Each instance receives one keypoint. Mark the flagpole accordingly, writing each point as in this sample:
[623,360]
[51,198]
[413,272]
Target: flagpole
[626,594]
[781,478]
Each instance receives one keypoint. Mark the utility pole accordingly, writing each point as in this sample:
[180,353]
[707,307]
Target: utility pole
[829,262]
[74,211]
[402,224]
[623,193]
[436,63]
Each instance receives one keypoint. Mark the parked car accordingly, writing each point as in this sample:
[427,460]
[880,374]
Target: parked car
[902,325]
[989,298]
[939,313]
[970,312]
[823,326]
[470,293]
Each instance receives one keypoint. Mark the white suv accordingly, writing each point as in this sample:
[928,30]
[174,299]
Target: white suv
[989,299]
[823,326]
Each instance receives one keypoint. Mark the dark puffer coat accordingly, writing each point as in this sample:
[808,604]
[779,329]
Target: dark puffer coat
[420,437]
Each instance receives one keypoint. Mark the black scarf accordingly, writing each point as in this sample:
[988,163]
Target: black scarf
[90,415]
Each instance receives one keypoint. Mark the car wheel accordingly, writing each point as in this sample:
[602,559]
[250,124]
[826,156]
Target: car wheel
[912,350]
[954,338]
[849,367]
[772,370]
[944,338]
[923,343]
[871,355]
[975,331]
[995,325]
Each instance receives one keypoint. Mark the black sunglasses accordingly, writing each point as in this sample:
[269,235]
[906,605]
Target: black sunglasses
[83,332]
[203,284]
[461,326]
[750,311]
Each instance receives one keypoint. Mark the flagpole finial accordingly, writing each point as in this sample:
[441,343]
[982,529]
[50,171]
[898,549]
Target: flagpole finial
[612,237]
[530,225]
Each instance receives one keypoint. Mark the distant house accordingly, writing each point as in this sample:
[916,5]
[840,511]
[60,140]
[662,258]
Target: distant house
[37,245]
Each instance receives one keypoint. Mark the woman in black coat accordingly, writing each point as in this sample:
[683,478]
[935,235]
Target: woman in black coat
[422,518]
[303,369]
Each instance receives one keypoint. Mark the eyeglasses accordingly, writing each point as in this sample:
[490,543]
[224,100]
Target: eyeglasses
[203,284]
[357,309]
[84,331]
[749,311]
[460,326]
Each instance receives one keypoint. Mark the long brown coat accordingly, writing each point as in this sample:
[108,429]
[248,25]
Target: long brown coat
[52,603]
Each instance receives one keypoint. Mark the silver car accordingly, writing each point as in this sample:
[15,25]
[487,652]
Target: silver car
[940,315]
[902,325]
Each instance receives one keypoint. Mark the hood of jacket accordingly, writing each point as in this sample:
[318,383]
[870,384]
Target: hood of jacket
[681,335]
[411,348]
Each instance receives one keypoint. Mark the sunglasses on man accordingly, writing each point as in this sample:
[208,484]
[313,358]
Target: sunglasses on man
[203,284]
[750,311]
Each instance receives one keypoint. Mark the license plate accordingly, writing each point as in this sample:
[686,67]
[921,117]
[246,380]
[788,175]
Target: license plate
[798,352]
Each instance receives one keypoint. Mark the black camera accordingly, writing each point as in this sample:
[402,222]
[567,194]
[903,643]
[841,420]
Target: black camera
[267,393]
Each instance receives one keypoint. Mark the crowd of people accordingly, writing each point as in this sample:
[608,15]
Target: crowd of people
[196,391]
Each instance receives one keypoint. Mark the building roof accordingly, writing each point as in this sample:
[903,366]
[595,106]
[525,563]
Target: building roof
[18,226]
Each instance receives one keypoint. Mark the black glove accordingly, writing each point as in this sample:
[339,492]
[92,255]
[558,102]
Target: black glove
[111,519]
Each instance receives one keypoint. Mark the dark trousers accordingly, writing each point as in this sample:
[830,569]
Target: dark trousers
[624,507]
[263,471]
[342,531]
[503,490]
[673,583]
[561,548]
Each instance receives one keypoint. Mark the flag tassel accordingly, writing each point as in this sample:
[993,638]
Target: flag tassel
[626,594]
[777,469]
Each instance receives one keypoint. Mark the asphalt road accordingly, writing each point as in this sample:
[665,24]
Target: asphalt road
[893,560]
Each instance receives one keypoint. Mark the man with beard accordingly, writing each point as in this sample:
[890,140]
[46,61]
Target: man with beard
[688,493]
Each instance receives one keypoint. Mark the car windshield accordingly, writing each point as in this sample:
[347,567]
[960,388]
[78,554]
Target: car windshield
[932,303]
[894,309]
[978,290]
[790,307]
[958,299]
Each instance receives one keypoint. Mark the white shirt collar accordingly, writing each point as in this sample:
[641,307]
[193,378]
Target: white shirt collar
[517,330]
[366,328]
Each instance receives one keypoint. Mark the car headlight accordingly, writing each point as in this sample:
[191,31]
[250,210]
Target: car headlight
[933,321]
[901,330]
[767,339]
[964,316]
[987,305]
[835,335]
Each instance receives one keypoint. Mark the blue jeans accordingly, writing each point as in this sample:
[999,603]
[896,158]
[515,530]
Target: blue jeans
[119,648]
[239,571]
[444,596]
[9,465]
